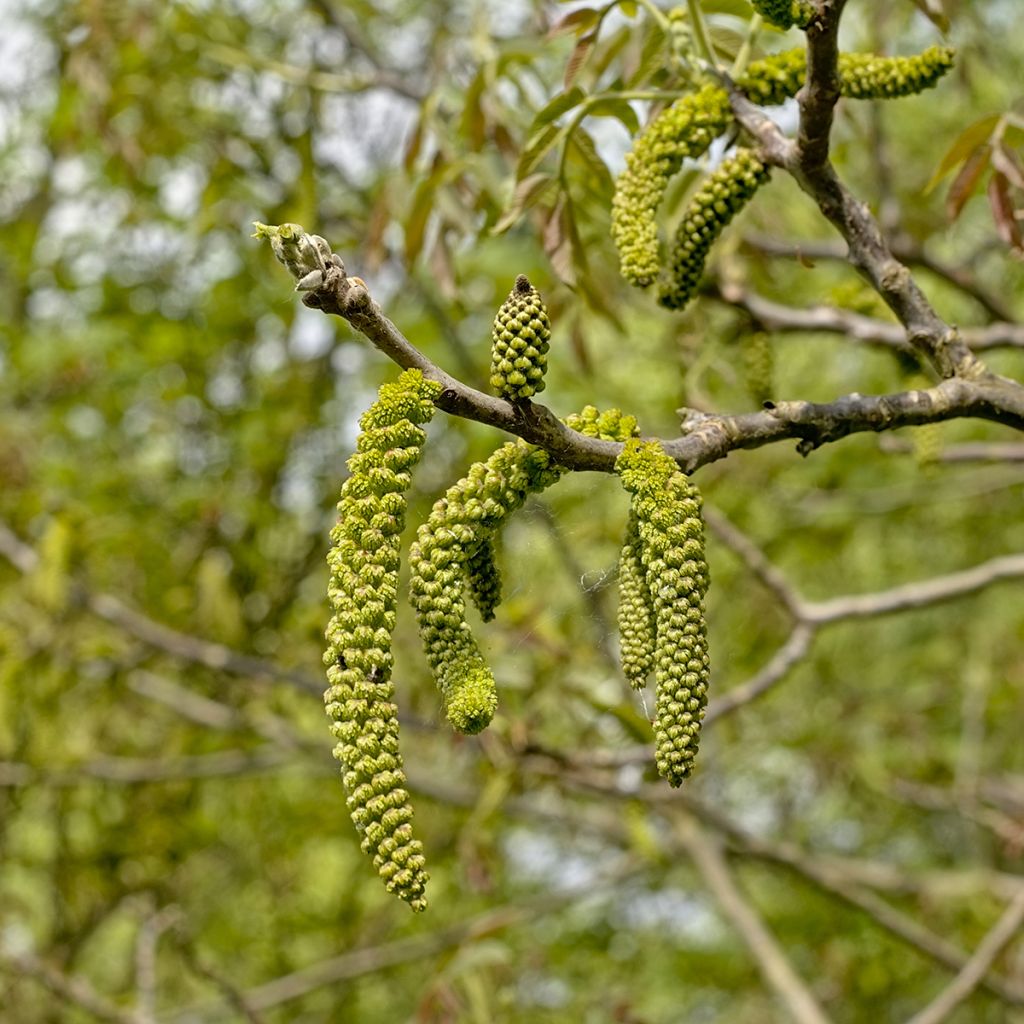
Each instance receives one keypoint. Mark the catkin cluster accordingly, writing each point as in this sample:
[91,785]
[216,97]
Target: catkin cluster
[784,13]
[684,130]
[453,552]
[687,128]
[669,531]
[724,193]
[364,561]
[519,344]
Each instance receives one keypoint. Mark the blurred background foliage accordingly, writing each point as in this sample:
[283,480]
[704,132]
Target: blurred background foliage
[172,829]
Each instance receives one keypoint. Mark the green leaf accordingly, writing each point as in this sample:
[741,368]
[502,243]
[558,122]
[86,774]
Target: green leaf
[581,146]
[621,109]
[554,109]
[537,147]
[527,193]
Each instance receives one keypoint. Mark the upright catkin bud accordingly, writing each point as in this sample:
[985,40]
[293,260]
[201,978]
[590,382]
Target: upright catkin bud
[519,343]
[725,192]
[784,13]
[364,562]
[637,625]
[667,509]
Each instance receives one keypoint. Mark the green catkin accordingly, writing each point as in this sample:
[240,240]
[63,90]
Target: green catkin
[483,578]
[467,516]
[687,128]
[759,366]
[364,561]
[784,13]
[667,507]
[864,76]
[519,345]
[724,193]
[682,131]
[637,627]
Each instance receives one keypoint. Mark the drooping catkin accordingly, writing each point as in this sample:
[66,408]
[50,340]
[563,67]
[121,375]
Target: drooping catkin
[865,76]
[441,561]
[636,621]
[682,131]
[724,193]
[687,128]
[483,578]
[519,343]
[364,561]
[784,13]
[667,507]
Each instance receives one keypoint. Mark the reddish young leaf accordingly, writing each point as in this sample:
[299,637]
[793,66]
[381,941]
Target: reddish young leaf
[967,182]
[1003,213]
[576,21]
[578,57]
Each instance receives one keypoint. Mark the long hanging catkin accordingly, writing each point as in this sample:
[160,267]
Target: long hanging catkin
[636,620]
[687,128]
[667,509]
[449,548]
[719,199]
[364,561]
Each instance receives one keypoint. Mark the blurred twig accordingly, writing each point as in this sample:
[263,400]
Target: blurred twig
[70,989]
[772,962]
[959,989]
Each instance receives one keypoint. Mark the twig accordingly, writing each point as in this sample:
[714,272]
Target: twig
[775,316]
[73,990]
[155,634]
[831,876]
[218,657]
[145,959]
[791,653]
[960,988]
[376,958]
[706,437]
[905,249]
[771,960]
[915,595]
[133,771]
[754,559]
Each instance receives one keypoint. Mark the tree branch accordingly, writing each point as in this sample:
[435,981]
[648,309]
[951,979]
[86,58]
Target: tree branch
[820,319]
[973,972]
[707,437]
[771,960]
[75,991]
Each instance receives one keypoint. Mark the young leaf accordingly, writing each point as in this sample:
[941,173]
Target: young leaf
[575,21]
[966,183]
[537,147]
[578,57]
[963,146]
[557,106]
[617,108]
[528,191]
[1003,212]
